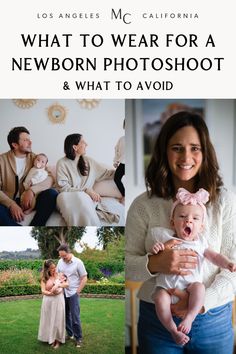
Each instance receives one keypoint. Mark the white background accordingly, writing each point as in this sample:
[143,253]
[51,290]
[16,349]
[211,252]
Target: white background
[101,127]
[215,18]
[19,239]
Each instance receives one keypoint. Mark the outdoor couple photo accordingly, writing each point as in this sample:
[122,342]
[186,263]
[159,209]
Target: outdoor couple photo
[62,288]
[61,285]
[74,190]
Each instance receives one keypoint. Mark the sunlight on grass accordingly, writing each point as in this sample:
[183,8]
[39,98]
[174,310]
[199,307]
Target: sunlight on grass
[102,323]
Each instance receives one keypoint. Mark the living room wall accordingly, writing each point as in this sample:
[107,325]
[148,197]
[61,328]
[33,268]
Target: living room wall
[101,126]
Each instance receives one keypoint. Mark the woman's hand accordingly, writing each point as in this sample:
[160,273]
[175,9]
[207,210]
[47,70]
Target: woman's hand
[48,293]
[173,261]
[93,195]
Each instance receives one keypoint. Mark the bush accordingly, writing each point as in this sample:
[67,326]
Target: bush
[21,264]
[27,289]
[96,268]
[118,278]
[114,289]
[10,290]
[18,277]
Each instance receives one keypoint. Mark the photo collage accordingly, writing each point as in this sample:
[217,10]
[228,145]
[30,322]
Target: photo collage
[117,224]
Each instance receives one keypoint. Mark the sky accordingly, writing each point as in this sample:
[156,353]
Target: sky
[19,239]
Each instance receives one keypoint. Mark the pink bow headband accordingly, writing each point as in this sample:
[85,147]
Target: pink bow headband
[184,197]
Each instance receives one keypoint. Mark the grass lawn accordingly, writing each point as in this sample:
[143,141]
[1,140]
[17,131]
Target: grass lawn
[102,324]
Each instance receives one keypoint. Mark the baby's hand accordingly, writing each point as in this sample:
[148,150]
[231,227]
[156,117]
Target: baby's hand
[232,267]
[158,246]
[115,164]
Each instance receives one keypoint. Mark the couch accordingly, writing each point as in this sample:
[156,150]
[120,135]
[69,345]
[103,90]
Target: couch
[110,198]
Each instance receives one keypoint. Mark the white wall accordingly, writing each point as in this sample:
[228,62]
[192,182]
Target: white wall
[221,121]
[101,127]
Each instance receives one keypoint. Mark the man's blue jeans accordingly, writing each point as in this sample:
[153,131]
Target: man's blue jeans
[211,333]
[45,205]
[73,325]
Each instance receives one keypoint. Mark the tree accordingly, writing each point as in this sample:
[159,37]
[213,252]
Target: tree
[107,234]
[50,238]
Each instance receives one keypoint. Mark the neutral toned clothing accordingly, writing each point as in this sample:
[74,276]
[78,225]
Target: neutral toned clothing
[70,180]
[220,232]
[74,270]
[120,151]
[20,166]
[75,205]
[119,161]
[78,209]
[171,281]
[35,175]
[10,184]
[56,289]
[52,319]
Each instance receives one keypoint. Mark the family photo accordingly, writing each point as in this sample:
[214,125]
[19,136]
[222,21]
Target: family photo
[62,163]
[180,228]
[62,288]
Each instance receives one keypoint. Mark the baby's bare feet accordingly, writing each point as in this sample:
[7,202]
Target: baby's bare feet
[186,325]
[180,337]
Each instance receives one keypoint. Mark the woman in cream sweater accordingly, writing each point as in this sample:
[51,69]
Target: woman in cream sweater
[183,157]
[76,175]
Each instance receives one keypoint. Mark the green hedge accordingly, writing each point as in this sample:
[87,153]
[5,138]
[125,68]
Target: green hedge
[95,269]
[114,289]
[21,264]
[11,290]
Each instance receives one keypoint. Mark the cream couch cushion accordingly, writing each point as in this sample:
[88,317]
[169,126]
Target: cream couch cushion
[107,188]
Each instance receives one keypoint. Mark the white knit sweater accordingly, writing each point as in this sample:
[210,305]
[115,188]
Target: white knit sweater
[220,231]
[69,179]
[120,151]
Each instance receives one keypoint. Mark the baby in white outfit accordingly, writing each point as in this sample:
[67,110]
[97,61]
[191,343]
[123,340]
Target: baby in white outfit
[61,278]
[36,175]
[187,220]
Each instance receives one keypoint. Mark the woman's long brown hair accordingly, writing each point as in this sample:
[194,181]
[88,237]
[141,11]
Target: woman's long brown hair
[45,274]
[158,176]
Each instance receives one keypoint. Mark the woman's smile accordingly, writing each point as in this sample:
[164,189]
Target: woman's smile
[184,155]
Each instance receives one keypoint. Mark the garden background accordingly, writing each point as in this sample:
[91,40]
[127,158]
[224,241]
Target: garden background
[102,300]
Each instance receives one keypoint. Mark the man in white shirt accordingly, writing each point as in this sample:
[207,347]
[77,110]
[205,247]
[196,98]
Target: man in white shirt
[14,167]
[76,274]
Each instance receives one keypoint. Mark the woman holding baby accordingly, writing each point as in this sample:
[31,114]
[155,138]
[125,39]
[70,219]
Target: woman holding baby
[52,318]
[183,157]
